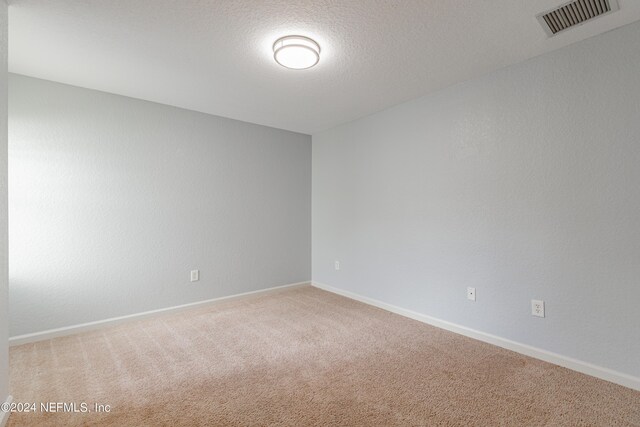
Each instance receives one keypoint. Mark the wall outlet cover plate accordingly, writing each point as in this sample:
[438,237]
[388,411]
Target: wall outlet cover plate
[537,308]
[471,294]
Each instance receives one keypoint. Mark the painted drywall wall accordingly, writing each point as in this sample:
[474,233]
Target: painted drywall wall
[4,304]
[524,184]
[114,200]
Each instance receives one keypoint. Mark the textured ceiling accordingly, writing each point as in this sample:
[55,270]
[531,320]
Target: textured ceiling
[215,56]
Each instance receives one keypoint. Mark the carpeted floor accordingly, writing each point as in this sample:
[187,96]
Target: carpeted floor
[302,357]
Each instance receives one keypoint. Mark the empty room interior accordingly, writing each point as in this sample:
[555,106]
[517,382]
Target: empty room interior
[319,213]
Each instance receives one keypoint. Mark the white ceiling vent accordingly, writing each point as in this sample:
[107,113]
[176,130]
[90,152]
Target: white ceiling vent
[574,13]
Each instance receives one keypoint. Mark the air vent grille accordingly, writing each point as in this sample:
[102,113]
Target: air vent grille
[575,13]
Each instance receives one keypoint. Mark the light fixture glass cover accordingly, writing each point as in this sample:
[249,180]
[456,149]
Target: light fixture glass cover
[296,52]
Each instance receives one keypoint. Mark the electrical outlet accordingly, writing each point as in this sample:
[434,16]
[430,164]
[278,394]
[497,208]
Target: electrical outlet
[471,294]
[537,308]
[336,264]
[195,275]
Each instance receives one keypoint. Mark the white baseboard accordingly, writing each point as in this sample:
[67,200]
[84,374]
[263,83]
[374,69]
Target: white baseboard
[557,359]
[4,416]
[83,327]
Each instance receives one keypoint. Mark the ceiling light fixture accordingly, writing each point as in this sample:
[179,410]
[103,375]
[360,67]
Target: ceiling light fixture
[296,52]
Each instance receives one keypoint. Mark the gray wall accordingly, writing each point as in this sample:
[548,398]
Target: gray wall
[4,306]
[114,200]
[524,183]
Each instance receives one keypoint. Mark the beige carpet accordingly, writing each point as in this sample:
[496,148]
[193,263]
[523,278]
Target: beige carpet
[303,357]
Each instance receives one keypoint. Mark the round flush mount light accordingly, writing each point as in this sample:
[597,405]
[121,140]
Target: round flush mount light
[296,52]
